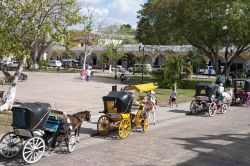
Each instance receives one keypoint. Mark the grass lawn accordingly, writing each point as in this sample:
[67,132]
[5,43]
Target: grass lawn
[5,122]
[183,95]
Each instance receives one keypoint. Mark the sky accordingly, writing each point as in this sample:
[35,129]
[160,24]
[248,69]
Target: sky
[112,11]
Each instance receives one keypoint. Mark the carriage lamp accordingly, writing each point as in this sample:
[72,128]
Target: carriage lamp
[142,49]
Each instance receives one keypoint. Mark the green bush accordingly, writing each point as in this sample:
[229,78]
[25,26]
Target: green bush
[43,64]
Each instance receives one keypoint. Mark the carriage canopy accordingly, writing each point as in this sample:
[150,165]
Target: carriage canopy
[247,85]
[242,84]
[122,101]
[31,115]
[143,87]
[205,89]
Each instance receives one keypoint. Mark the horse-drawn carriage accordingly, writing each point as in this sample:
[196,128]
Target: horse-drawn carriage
[35,129]
[118,112]
[205,99]
[242,91]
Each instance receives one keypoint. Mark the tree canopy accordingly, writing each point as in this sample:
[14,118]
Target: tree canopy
[208,25]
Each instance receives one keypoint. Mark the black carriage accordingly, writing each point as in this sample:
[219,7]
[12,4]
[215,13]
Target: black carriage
[205,100]
[35,129]
[242,91]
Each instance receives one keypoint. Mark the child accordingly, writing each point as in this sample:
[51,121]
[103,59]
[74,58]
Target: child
[172,99]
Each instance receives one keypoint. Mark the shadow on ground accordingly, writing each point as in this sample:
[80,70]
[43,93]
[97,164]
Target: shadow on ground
[224,149]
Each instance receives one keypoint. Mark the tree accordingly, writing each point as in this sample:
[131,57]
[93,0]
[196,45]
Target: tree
[179,64]
[24,24]
[113,36]
[208,25]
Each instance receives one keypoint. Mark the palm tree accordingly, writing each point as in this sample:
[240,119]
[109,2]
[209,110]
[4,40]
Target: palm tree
[174,68]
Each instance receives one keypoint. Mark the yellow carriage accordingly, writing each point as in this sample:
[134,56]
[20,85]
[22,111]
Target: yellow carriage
[118,112]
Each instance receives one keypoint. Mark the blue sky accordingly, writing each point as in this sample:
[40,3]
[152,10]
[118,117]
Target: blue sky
[112,11]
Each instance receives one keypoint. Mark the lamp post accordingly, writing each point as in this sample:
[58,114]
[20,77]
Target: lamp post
[142,49]
[114,50]
[225,29]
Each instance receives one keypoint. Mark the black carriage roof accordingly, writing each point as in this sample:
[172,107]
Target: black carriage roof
[122,96]
[206,85]
[38,109]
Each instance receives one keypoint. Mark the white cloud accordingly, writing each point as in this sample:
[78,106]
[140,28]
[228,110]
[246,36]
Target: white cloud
[89,2]
[113,11]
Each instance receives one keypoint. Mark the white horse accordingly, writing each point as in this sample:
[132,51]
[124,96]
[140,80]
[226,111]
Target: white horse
[152,102]
[228,97]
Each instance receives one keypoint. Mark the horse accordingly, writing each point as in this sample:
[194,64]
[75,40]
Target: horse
[76,120]
[150,104]
[228,97]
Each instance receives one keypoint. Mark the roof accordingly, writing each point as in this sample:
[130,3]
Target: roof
[143,87]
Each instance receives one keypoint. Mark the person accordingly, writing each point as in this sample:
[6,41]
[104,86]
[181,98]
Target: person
[83,74]
[209,72]
[88,74]
[172,98]
[221,89]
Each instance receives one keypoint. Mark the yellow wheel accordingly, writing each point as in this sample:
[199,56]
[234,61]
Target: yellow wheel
[124,128]
[145,124]
[103,125]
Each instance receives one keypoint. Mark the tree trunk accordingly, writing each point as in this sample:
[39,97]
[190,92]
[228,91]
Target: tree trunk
[8,99]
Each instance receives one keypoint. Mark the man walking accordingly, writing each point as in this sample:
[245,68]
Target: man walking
[88,72]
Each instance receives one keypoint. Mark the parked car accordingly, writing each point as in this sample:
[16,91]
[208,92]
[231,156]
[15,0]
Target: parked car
[118,68]
[14,64]
[156,67]
[55,63]
[138,67]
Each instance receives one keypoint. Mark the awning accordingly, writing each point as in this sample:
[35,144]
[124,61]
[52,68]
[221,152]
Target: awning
[143,87]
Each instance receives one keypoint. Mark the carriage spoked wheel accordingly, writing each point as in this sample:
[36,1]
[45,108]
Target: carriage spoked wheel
[103,125]
[145,124]
[212,109]
[33,149]
[124,128]
[224,108]
[10,145]
[71,143]
[193,107]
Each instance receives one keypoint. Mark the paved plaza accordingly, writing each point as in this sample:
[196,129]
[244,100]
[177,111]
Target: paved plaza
[176,139]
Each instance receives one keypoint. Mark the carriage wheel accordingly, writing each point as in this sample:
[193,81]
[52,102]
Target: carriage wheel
[224,108]
[103,125]
[193,107]
[212,109]
[33,149]
[145,124]
[124,128]
[10,145]
[71,143]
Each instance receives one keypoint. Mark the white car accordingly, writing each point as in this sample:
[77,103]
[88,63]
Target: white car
[55,63]
[139,66]
[14,64]
[118,68]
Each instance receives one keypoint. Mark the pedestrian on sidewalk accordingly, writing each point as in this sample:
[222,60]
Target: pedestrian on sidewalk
[88,74]
[172,99]
[83,74]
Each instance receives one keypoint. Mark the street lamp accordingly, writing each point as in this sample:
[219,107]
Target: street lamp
[114,50]
[225,29]
[142,49]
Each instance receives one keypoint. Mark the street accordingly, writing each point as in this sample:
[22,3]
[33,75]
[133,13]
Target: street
[177,139]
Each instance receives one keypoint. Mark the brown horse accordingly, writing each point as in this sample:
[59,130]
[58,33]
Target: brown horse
[77,119]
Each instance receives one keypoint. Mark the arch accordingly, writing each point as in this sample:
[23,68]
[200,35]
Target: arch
[160,60]
[92,59]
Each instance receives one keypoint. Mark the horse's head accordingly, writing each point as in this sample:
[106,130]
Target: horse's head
[87,116]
